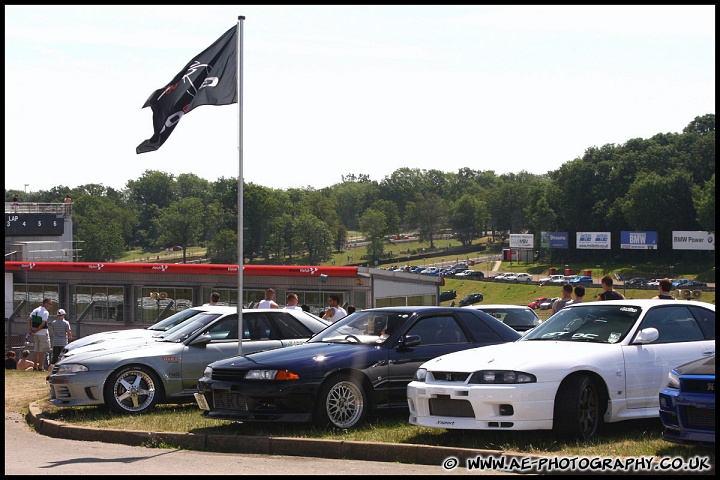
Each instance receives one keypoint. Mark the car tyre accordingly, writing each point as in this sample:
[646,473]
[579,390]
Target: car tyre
[342,403]
[577,414]
[132,389]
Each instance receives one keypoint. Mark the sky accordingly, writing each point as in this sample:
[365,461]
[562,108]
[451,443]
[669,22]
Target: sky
[329,91]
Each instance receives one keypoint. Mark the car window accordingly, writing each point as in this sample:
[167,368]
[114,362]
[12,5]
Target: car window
[224,329]
[182,331]
[706,320]
[368,327]
[288,327]
[435,330]
[674,323]
[480,331]
[592,323]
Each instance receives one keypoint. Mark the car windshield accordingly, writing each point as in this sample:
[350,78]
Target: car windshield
[181,332]
[367,327]
[587,323]
[173,320]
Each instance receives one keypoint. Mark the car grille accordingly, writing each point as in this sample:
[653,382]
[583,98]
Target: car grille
[700,418]
[451,376]
[698,386]
[228,401]
[444,406]
[228,374]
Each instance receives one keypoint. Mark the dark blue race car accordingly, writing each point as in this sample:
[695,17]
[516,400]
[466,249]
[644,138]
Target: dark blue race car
[687,404]
[359,364]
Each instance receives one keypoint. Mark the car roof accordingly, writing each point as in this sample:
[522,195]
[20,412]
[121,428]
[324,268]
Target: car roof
[498,305]
[646,303]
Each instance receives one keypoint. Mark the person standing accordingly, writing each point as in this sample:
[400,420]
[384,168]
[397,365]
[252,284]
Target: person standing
[37,326]
[609,292]
[214,300]
[16,203]
[68,204]
[664,287]
[559,304]
[269,301]
[335,312]
[579,294]
[291,302]
[60,335]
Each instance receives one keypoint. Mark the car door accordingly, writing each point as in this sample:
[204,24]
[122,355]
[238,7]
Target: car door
[439,334]
[258,335]
[647,366]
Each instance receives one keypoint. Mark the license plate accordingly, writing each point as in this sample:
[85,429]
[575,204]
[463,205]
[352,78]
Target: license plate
[202,403]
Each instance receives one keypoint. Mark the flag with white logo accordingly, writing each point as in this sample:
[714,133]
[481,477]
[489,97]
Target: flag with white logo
[210,78]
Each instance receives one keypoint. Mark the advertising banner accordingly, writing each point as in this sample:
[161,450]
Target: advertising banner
[683,240]
[559,239]
[593,240]
[521,240]
[638,240]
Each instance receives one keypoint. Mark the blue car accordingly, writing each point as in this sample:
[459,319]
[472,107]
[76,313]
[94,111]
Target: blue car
[687,404]
[359,364]
[582,280]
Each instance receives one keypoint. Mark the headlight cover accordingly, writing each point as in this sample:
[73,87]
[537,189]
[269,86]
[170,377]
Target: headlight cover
[504,377]
[271,375]
[420,375]
[674,380]
[71,368]
[207,373]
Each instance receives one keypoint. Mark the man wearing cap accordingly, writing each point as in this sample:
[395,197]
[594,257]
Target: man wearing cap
[60,335]
[37,327]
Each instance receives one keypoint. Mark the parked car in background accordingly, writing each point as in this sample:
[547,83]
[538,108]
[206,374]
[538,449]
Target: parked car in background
[431,271]
[536,303]
[547,304]
[552,279]
[470,299]
[516,317]
[448,295]
[500,276]
[653,282]
[473,274]
[134,377]
[589,363]
[687,403]
[636,282]
[360,364]
[519,278]
[581,280]
[692,284]
[133,334]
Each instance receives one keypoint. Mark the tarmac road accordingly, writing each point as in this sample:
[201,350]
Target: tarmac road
[29,453]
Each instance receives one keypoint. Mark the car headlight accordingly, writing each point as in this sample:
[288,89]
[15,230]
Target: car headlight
[674,380]
[420,375]
[501,377]
[271,375]
[70,368]
[207,373]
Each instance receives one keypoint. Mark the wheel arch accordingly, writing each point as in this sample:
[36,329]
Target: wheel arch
[600,383]
[357,375]
[159,390]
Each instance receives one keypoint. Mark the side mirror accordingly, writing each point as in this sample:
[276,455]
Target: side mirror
[203,339]
[408,341]
[647,335]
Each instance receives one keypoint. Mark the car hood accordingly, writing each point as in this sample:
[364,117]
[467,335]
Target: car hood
[308,356]
[533,357]
[111,347]
[113,335]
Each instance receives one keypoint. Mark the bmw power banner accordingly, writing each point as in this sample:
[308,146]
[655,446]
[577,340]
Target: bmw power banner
[638,240]
[593,240]
[683,240]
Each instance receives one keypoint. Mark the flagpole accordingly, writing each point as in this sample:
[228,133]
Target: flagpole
[240,179]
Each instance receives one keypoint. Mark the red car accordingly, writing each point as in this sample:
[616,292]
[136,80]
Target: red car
[536,303]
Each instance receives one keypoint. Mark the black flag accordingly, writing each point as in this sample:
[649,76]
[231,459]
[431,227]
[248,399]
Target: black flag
[208,79]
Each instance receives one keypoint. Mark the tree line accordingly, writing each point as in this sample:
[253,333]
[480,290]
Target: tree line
[663,183]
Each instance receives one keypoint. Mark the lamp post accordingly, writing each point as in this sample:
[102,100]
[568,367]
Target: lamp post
[323,279]
[26,185]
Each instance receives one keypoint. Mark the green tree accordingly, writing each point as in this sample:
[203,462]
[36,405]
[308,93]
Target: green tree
[373,225]
[180,224]
[98,229]
[704,200]
[223,248]
[313,236]
[467,217]
[429,216]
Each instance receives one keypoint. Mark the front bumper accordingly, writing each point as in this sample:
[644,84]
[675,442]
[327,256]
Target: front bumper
[482,407]
[77,389]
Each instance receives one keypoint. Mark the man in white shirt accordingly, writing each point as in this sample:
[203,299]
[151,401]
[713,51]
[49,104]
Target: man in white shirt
[269,301]
[335,312]
[37,326]
[292,302]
